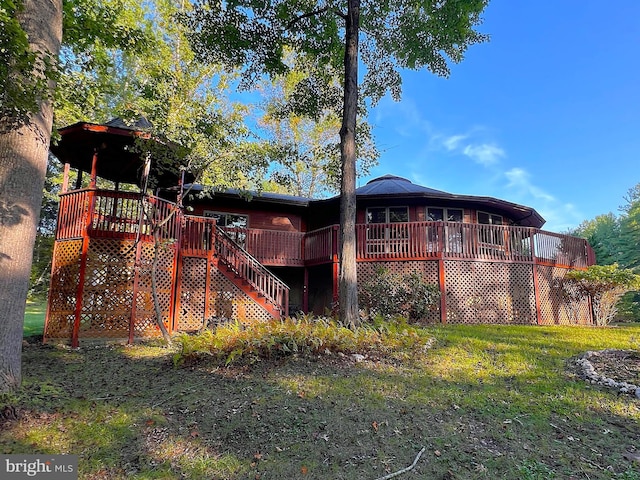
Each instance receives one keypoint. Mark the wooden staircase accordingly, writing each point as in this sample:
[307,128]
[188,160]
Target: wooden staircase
[249,275]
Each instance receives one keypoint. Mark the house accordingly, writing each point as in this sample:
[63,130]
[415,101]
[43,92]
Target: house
[271,255]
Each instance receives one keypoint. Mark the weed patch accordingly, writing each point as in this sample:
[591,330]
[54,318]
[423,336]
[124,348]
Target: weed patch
[245,343]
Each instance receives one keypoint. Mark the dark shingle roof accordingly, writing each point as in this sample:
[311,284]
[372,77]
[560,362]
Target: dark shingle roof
[393,185]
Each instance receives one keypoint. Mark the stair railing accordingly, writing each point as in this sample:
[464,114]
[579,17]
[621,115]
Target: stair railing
[246,267]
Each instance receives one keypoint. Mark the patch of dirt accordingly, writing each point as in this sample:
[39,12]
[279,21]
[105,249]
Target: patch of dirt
[619,365]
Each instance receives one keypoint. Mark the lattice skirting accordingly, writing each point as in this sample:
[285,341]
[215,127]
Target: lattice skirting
[224,300]
[484,292]
[108,303]
[555,307]
[428,270]
[63,288]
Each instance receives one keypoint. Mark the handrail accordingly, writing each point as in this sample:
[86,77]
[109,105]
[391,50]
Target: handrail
[251,270]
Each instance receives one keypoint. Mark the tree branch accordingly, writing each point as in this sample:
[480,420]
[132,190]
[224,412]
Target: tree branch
[404,470]
[313,13]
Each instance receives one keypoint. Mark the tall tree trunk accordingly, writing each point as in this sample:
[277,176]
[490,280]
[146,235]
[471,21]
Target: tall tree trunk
[348,284]
[23,163]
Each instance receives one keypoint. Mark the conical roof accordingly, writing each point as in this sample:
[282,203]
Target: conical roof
[394,185]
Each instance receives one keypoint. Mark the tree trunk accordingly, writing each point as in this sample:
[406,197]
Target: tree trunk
[348,283]
[154,288]
[23,163]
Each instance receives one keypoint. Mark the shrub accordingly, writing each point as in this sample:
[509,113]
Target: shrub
[603,285]
[235,342]
[390,295]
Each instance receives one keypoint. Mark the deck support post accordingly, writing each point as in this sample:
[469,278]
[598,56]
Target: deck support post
[134,295]
[441,273]
[91,196]
[335,265]
[305,291]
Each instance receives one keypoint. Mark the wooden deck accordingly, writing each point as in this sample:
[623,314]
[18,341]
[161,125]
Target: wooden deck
[125,215]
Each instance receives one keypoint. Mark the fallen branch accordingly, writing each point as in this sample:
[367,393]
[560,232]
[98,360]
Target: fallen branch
[404,470]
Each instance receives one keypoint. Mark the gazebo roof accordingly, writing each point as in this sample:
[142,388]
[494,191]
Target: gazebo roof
[118,159]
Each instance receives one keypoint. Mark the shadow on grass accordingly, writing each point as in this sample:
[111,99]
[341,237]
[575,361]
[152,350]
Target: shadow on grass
[485,401]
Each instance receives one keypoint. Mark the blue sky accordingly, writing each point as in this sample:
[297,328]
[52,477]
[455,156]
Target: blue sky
[547,114]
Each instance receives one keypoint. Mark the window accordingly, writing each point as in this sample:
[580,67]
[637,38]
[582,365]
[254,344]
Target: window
[444,214]
[492,236]
[386,239]
[387,214]
[489,218]
[453,234]
[233,223]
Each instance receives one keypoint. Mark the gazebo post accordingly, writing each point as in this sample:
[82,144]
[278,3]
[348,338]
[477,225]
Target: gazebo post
[94,170]
[85,252]
[65,178]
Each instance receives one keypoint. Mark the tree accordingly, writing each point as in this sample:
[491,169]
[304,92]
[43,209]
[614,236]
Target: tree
[304,149]
[603,285]
[616,239]
[603,234]
[31,37]
[327,35]
[630,229]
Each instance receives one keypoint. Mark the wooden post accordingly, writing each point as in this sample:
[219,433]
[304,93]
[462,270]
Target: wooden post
[65,178]
[335,263]
[83,268]
[536,284]
[441,273]
[207,282]
[94,170]
[305,291]
[134,294]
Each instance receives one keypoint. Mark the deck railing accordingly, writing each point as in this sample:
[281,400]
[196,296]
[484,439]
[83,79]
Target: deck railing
[122,214]
[270,247]
[197,236]
[320,245]
[109,214]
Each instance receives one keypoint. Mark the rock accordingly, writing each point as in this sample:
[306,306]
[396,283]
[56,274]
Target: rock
[357,357]
[638,392]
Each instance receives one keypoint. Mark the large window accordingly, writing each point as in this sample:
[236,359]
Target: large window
[386,238]
[387,214]
[489,236]
[452,234]
[444,214]
[234,224]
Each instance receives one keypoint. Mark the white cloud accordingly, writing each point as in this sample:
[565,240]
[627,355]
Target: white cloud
[484,154]
[453,142]
[559,216]
[519,179]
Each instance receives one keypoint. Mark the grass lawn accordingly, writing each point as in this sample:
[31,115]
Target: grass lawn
[486,402]
[34,318]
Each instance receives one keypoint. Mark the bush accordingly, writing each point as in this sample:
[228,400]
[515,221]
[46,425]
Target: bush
[235,342]
[603,285]
[390,295]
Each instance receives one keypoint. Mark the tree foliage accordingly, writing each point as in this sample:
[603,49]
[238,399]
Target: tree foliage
[304,149]
[603,285]
[616,239]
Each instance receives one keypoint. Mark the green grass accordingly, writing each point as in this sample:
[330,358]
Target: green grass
[34,318]
[487,402]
